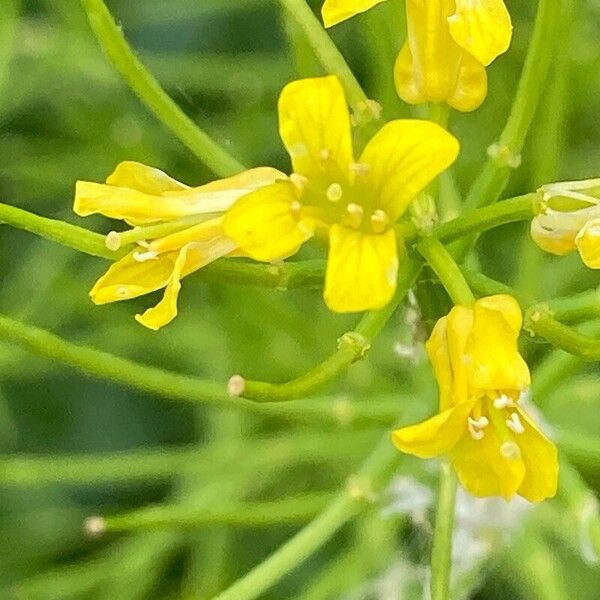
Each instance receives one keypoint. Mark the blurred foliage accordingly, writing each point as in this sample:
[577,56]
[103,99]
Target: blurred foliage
[64,115]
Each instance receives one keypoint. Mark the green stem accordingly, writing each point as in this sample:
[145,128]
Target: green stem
[150,92]
[249,514]
[441,552]
[355,498]
[352,346]
[489,185]
[331,58]
[63,233]
[444,266]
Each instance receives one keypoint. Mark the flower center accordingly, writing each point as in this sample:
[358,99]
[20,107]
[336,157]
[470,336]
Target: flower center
[505,421]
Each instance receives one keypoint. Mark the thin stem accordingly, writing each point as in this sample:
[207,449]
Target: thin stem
[444,266]
[249,514]
[352,346]
[331,58]
[150,92]
[441,551]
[507,153]
[63,233]
[350,502]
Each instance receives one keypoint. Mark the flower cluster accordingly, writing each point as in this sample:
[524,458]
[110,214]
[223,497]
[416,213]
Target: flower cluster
[449,44]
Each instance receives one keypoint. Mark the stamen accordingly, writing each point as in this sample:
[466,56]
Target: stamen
[502,401]
[355,212]
[299,181]
[144,256]
[510,450]
[296,208]
[476,427]
[334,192]
[379,221]
[325,154]
[299,149]
[360,168]
[514,424]
[113,241]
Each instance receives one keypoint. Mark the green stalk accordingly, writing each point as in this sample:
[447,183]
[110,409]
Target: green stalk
[63,233]
[352,346]
[441,551]
[489,185]
[444,266]
[349,503]
[248,514]
[150,92]
[331,58]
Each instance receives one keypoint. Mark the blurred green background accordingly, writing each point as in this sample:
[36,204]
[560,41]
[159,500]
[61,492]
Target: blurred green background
[66,115]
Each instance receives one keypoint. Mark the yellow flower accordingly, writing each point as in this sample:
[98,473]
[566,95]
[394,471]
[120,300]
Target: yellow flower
[354,203]
[449,44]
[494,446]
[570,220]
[187,232]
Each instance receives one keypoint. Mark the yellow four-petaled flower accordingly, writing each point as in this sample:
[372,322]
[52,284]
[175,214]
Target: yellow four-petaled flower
[352,203]
[494,446]
[449,43]
[188,233]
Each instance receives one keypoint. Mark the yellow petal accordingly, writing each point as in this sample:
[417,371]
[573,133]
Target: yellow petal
[403,157]
[541,461]
[482,27]
[129,278]
[435,436]
[559,241]
[361,269]
[143,178]
[495,362]
[588,244]
[138,207]
[314,124]
[431,67]
[483,471]
[460,325]
[507,306]
[264,225]
[437,350]
[336,11]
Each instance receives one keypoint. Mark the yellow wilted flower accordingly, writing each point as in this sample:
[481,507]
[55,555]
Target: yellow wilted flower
[570,220]
[354,204]
[188,232]
[448,46]
[494,446]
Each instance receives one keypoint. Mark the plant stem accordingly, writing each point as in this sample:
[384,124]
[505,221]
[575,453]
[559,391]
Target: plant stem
[441,551]
[150,92]
[63,233]
[331,58]
[249,514]
[444,266]
[352,346]
[350,502]
[489,185]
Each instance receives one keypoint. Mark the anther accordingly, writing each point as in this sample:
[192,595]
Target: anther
[94,526]
[325,154]
[123,291]
[334,192]
[510,450]
[299,181]
[355,212]
[236,385]
[514,424]
[476,427]
[502,401]
[113,241]
[144,256]
[360,168]
[296,208]
[379,221]
[299,149]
